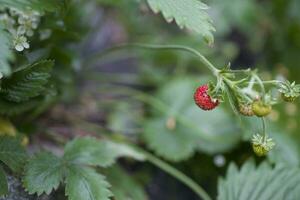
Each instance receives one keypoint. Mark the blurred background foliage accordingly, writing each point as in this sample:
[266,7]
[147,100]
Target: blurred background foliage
[146,95]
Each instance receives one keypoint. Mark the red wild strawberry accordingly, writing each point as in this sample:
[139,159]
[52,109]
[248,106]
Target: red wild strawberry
[203,100]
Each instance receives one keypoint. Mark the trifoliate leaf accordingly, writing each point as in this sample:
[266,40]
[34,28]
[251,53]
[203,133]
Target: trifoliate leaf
[83,183]
[26,82]
[43,173]
[190,14]
[6,54]
[183,128]
[124,187]
[90,151]
[12,153]
[3,183]
[262,182]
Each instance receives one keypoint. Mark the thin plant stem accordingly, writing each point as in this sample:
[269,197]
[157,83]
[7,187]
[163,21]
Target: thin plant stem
[177,174]
[264,128]
[202,58]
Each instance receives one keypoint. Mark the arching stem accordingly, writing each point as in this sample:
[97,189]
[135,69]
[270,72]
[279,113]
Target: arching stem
[202,58]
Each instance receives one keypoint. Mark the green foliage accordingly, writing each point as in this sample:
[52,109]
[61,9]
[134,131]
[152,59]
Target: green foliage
[99,153]
[189,14]
[262,182]
[39,5]
[45,171]
[83,183]
[6,54]
[8,108]
[12,154]
[26,82]
[192,129]
[123,185]
[3,183]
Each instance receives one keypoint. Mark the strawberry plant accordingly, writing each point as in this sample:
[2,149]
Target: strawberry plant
[73,129]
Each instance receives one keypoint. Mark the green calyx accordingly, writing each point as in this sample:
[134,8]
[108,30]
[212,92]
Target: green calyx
[262,144]
[289,91]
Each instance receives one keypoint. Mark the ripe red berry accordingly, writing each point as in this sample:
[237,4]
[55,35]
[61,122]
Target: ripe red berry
[203,100]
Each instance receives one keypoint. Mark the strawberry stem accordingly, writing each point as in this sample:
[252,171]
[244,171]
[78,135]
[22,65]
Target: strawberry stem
[202,58]
[264,128]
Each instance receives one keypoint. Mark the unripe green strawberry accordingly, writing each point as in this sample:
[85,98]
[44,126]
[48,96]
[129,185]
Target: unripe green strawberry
[246,110]
[261,109]
[259,150]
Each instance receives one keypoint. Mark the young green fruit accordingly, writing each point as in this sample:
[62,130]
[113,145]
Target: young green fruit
[261,109]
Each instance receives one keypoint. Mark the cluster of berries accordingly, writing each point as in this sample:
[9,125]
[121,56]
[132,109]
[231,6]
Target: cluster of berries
[261,143]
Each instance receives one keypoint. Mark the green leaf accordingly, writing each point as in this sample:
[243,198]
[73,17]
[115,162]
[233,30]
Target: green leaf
[6,54]
[12,153]
[90,151]
[43,173]
[39,5]
[189,14]
[26,82]
[83,183]
[8,108]
[124,187]
[262,182]
[193,129]
[3,183]
[174,145]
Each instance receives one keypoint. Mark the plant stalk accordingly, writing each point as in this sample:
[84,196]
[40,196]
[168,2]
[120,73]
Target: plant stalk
[202,58]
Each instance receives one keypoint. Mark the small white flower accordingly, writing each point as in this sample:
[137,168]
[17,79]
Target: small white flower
[20,42]
[28,22]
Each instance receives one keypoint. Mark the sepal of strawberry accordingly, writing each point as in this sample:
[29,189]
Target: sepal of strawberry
[261,145]
[289,91]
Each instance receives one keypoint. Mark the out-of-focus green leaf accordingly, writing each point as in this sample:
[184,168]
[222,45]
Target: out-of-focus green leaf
[124,187]
[39,5]
[90,151]
[6,54]
[192,128]
[12,153]
[189,14]
[8,108]
[26,82]
[262,182]
[3,183]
